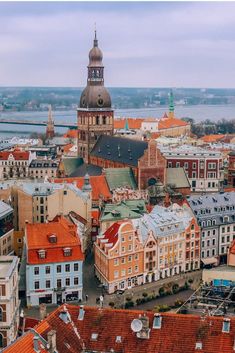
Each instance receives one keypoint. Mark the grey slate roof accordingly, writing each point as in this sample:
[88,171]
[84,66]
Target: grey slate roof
[119,149]
[5,209]
[84,169]
[213,207]
[43,163]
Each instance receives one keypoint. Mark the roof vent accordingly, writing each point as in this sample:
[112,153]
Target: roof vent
[81,313]
[157,321]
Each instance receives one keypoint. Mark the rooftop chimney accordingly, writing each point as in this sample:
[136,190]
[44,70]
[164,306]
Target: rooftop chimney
[42,311]
[36,343]
[51,339]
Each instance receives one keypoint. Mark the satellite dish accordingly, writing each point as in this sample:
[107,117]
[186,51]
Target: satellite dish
[136,325]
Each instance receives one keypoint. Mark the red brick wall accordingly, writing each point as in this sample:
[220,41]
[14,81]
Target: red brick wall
[151,165]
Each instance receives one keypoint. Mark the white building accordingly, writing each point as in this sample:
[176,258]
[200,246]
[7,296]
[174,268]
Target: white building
[150,125]
[9,302]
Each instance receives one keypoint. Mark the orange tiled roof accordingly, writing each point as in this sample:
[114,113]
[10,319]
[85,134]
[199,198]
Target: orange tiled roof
[212,138]
[167,123]
[98,184]
[73,133]
[18,155]
[178,333]
[37,238]
[232,248]
[133,123]
[67,147]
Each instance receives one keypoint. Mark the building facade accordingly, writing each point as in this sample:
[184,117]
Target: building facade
[43,169]
[14,164]
[95,114]
[9,302]
[231,169]
[54,263]
[215,216]
[6,228]
[119,257]
[204,168]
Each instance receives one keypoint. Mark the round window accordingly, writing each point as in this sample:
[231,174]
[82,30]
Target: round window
[100,102]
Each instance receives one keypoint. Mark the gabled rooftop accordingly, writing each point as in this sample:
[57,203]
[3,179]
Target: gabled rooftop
[111,330]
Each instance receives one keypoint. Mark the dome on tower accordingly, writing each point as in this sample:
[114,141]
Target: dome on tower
[96,97]
[95,55]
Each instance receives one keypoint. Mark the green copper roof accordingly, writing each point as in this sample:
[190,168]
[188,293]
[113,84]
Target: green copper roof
[171,102]
[71,164]
[126,209]
[120,177]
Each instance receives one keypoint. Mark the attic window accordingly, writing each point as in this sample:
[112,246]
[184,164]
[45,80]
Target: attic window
[41,254]
[226,326]
[157,321]
[52,238]
[94,336]
[198,345]
[67,251]
[118,339]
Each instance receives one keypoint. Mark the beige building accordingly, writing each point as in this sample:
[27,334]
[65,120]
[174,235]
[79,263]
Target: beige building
[6,229]
[9,302]
[43,169]
[39,202]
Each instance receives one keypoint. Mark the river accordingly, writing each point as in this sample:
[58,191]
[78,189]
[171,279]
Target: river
[197,112]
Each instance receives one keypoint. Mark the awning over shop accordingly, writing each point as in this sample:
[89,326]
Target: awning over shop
[209,261]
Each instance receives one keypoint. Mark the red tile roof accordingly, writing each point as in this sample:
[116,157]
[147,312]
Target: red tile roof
[37,238]
[232,248]
[98,183]
[133,123]
[111,234]
[18,155]
[167,123]
[212,138]
[177,334]
[67,147]
[73,133]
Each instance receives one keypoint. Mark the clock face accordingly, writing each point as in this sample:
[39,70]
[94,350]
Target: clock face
[100,102]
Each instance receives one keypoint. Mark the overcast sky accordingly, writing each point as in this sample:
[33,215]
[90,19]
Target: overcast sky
[187,44]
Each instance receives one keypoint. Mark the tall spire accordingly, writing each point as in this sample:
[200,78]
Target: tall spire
[171,105]
[50,132]
[95,39]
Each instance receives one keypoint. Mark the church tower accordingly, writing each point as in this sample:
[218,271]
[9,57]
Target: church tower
[171,105]
[95,114]
[50,131]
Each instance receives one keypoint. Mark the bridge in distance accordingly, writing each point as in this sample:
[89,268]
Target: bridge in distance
[36,123]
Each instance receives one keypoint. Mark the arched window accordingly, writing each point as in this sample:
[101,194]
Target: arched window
[152,181]
[1,340]
[97,120]
[1,314]
[209,223]
[104,120]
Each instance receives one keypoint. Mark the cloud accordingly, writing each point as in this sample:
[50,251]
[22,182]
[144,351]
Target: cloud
[144,44]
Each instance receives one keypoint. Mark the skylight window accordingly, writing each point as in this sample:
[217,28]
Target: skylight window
[226,326]
[157,321]
[94,336]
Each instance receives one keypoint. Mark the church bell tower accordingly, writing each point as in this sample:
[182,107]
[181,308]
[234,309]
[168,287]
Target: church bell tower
[95,113]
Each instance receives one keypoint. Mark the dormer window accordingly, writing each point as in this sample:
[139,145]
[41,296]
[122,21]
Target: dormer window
[94,336]
[52,238]
[67,251]
[226,326]
[41,254]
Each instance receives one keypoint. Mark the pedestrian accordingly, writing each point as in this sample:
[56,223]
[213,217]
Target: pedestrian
[101,301]
[86,298]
